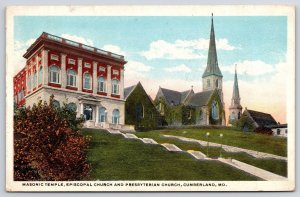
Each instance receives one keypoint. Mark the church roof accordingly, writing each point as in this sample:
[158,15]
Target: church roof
[171,96]
[212,67]
[128,90]
[261,118]
[200,99]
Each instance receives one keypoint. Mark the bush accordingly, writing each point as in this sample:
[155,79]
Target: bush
[46,145]
[263,130]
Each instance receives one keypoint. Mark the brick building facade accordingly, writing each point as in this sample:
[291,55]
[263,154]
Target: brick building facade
[89,80]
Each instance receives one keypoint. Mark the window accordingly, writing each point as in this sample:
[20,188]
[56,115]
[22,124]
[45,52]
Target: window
[215,110]
[54,74]
[72,107]
[88,112]
[54,57]
[115,116]
[102,114]
[278,131]
[19,95]
[29,82]
[286,131]
[40,75]
[208,83]
[217,83]
[22,93]
[71,61]
[161,108]
[34,79]
[87,81]
[139,110]
[71,78]
[87,65]
[101,85]
[56,104]
[115,86]
[201,114]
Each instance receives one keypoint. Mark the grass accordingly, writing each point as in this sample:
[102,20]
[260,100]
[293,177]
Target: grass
[114,158]
[273,165]
[249,140]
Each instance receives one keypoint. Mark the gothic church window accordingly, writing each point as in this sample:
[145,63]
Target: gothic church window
[215,110]
[208,83]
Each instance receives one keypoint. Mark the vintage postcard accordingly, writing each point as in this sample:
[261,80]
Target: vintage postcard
[150,98]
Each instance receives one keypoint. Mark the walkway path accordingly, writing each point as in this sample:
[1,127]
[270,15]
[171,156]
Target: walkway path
[263,174]
[228,148]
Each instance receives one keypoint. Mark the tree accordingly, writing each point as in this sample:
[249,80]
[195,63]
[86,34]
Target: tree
[245,123]
[47,146]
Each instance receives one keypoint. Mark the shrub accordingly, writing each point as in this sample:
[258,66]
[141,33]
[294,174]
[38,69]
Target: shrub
[263,130]
[46,147]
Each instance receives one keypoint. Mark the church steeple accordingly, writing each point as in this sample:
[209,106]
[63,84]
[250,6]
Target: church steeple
[236,92]
[212,67]
[235,109]
[212,76]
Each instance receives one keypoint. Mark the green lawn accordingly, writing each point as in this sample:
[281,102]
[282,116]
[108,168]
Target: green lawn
[273,165]
[114,158]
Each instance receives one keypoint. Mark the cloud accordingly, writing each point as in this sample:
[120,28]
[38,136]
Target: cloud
[78,39]
[253,68]
[20,48]
[114,49]
[135,69]
[183,49]
[179,68]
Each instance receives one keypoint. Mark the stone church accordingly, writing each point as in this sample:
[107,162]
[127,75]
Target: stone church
[202,108]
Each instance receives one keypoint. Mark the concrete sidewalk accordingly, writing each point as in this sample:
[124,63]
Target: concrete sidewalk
[263,174]
[228,148]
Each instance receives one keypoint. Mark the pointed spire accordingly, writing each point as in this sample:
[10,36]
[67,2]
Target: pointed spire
[212,67]
[236,93]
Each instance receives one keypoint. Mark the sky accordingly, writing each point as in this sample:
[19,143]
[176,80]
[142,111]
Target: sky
[171,52]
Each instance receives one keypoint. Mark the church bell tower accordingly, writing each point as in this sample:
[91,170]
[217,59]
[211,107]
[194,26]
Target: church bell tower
[235,109]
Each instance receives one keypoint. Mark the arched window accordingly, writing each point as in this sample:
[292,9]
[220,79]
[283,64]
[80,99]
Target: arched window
[72,107]
[101,85]
[208,83]
[278,131]
[102,114]
[29,82]
[232,116]
[54,74]
[56,104]
[139,111]
[40,75]
[19,95]
[34,79]
[215,110]
[115,86]
[87,81]
[115,116]
[217,83]
[201,114]
[71,78]
[22,93]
